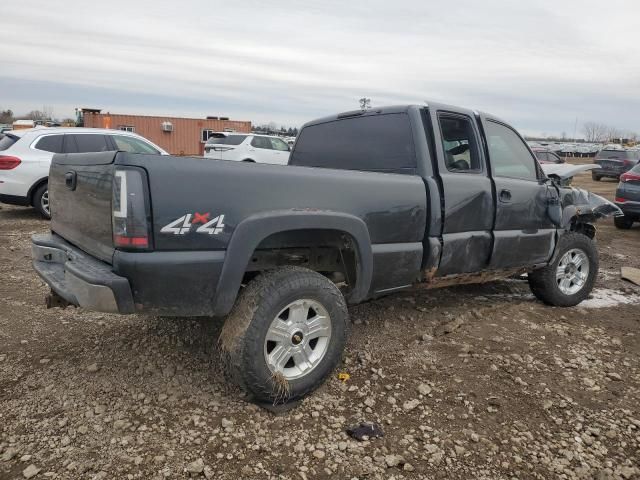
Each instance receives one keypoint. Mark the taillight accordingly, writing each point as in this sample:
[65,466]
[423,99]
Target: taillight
[130,210]
[620,200]
[628,163]
[628,176]
[9,163]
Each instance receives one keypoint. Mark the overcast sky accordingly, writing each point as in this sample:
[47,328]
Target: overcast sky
[539,66]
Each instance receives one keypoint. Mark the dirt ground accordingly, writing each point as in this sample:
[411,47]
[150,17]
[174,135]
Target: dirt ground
[476,382]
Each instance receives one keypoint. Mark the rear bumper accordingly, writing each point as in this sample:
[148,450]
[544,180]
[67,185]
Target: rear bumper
[630,208]
[172,283]
[609,172]
[79,278]
[14,200]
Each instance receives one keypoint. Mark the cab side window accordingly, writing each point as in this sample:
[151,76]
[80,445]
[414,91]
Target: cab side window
[50,143]
[508,154]
[86,143]
[459,143]
[261,142]
[277,144]
[129,144]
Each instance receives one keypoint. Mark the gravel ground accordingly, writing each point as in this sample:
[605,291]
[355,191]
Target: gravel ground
[477,382]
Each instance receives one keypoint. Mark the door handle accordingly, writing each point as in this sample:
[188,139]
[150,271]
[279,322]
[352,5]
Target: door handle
[70,180]
[505,195]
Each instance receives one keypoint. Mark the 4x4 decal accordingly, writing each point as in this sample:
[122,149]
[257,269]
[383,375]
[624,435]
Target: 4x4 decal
[182,225]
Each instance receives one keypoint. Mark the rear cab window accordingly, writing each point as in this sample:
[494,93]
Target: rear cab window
[6,140]
[376,143]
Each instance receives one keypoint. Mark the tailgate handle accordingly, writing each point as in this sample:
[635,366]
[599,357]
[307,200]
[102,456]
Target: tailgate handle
[70,180]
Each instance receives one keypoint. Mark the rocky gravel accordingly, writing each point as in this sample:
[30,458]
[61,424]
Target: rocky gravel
[477,382]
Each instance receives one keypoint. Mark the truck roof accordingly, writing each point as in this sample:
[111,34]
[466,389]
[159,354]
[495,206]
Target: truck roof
[393,109]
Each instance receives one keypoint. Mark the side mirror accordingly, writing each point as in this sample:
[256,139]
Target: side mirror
[554,211]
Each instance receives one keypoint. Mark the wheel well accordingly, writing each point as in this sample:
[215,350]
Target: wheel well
[584,228]
[329,252]
[35,187]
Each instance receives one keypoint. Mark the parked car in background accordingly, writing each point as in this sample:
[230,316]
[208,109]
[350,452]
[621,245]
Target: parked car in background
[628,198]
[25,157]
[545,155]
[247,147]
[613,162]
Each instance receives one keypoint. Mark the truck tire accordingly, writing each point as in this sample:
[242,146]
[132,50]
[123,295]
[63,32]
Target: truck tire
[595,177]
[285,334]
[623,222]
[569,279]
[41,201]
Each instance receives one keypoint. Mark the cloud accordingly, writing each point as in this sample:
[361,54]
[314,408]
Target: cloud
[539,65]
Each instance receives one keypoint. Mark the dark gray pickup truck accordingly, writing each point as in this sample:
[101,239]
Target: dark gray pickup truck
[371,203]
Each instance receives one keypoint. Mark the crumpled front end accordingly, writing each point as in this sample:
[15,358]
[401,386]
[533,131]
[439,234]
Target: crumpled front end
[585,206]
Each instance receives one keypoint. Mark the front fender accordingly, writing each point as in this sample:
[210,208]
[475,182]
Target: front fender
[254,229]
[585,206]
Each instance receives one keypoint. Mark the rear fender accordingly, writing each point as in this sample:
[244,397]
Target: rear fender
[254,229]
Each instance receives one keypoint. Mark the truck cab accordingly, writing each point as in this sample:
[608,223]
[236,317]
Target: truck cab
[482,213]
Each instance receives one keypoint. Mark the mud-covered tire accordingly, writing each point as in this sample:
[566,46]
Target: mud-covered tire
[623,222]
[544,283]
[41,201]
[244,334]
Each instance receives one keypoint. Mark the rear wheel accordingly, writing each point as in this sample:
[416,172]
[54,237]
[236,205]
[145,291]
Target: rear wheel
[623,222]
[595,177]
[285,334]
[41,201]
[569,279]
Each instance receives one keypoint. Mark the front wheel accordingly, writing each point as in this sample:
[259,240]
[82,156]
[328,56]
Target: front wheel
[569,279]
[285,334]
[595,177]
[41,201]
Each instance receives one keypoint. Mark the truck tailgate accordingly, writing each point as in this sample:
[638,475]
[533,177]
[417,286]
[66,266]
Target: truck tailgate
[80,190]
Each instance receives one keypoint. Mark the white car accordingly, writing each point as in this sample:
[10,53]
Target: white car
[247,147]
[25,157]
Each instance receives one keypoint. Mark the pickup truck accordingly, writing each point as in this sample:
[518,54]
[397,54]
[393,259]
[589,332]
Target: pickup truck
[372,202]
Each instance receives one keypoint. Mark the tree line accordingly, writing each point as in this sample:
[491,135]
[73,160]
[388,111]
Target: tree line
[45,115]
[599,132]
[272,128]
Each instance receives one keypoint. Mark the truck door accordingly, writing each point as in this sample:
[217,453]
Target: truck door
[523,232]
[467,198]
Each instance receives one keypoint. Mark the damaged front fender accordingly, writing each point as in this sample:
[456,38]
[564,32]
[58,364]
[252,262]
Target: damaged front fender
[584,206]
